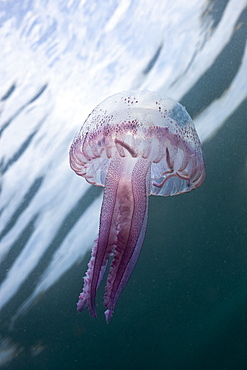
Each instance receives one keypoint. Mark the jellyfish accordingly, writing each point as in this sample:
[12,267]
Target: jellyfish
[134,144]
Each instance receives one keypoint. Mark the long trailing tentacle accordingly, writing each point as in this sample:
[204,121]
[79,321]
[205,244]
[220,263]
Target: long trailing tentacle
[130,236]
[105,243]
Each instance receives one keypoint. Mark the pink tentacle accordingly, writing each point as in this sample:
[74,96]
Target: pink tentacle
[106,240]
[130,237]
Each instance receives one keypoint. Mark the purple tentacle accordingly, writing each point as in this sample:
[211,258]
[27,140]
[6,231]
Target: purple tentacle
[123,222]
[105,243]
[132,228]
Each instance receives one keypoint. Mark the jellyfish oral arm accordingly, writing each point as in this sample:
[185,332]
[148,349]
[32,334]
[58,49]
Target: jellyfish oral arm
[123,222]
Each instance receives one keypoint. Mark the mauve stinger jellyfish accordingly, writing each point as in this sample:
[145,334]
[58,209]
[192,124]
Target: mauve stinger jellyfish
[134,143]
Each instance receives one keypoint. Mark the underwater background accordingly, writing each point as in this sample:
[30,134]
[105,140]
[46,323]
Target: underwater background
[185,306]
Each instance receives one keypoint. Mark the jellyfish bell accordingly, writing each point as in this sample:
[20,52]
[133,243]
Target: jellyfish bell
[134,143]
[140,124]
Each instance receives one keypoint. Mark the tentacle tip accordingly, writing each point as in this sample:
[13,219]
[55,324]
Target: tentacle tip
[84,302]
[92,312]
[80,306]
[108,315]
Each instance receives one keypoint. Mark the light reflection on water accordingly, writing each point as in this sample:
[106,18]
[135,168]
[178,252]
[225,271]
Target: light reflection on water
[59,60]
